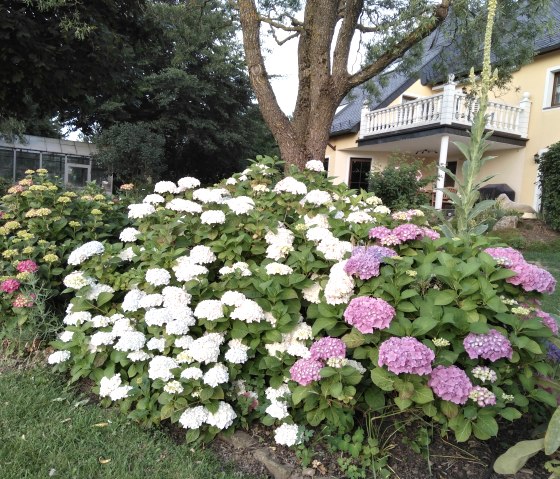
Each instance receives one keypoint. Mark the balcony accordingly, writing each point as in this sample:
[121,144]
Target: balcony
[450,108]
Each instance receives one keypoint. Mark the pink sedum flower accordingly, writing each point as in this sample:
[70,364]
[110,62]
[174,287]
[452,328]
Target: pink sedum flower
[367,314]
[406,355]
[451,384]
[9,285]
[27,266]
[492,346]
[305,371]
[326,348]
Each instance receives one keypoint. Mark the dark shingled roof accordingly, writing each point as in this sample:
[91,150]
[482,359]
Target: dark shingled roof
[347,119]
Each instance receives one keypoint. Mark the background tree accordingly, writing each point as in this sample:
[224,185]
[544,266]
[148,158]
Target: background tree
[387,30]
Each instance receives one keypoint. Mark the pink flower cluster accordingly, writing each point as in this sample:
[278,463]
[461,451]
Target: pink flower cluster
[482,396]
[23,301]
[326,348]
[402,233]
[548,321]
[492,345]
[367,314]
[408,214]
[365,261]
[305,371]
[451,384]
[27,266]
[406,355]
[528,276]
[9,285]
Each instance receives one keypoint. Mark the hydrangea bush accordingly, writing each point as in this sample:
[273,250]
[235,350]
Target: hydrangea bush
[41,223]
[299,303]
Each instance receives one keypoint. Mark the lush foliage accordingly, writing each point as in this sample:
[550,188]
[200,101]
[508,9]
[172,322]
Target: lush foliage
[401,184]
[549,174]
[249,301]
[40,224]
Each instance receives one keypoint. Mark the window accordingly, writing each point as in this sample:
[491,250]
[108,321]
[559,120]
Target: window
[555,90]
[449,182]
[359,171]
[326,164]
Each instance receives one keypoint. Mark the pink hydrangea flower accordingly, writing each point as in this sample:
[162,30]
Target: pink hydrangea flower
[406,355]
[451,384]
[492,345]
[326,348]
[23,301]
[9,285]
[27,266]
[367,314]
[408,232]
[379,232]
[482,396]
[430,233]
[365,261]
[305,371]
[548,321]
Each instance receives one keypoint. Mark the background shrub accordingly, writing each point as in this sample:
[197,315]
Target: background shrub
[549,174]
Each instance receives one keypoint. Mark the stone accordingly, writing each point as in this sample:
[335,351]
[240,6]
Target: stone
[506,223]
[506,204]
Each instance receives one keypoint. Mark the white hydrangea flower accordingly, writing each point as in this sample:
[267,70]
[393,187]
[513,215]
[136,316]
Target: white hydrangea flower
[153,199]
[233,298]
[194,417]
[287,435]
[241,205]
[317,198]
[173,387]
[100,321]
[333,249]
[184,357]
[77,318]
[184,206]
[360,217]
[249,311]
[356,365]
[211,195]
[223,418]
[130,341]
[184,342]
[149,301]
[96,290]
[274,394]
[290,185]
[138,356]
[156,344]
[158,276]
[278,268]
[231,181]
[173,296]
[382,210]
[87,250]
[160,368]
[206,349]
[140,210]
[237,352]
[311,293]
[315,165]
[77,280]
[277,410]
[122,326]
[318,234]
[374,201]
[192,373]
[131,301]
[127,254]
[185,270]
[165,187]
[202,255]
[320,220]
[216,375]
[213,217]
[187,183]
[157,317]
[66,336]
[58,357]
[260,188]
[240,268]
[209,309]
[178,327]
[129,235]
[340,286]
[298,349]
[280,243]
[102,338]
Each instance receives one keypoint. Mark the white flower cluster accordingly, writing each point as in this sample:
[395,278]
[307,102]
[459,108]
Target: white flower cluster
[140,210]
[87,250]
[66,336]
[187,183]
[196,416]
[165,187]
[173,387]
[77,280]
[153,199]
[158,276]
[340,286]
[278,408]
[320,220]
[360,217]
[77,318]
[209,309]
[331,247]
[216,375]
[113,388]
[374,201]
[206,349]
[202,255]
[129,235]
[213,217]
[248,311]
[160,368]
[287,435]
[241,205]
[279,243]
[278,269]
[237,352]
[382,210]
[211,195]
[290,185]
[184,206]
[240,268]
[58,357]
[293,343]
[311,293]
[186,269]
[317,198]
[96,289]
[315,165]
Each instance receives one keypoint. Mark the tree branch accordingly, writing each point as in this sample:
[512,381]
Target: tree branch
[280,25]
[281,42]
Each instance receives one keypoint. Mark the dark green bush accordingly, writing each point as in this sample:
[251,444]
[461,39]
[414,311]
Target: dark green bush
[399,185]
[549,173]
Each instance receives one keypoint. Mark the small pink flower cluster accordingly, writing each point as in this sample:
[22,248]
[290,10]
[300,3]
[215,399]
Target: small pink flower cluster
[305,371]
[482,396]
[451,384]
[23,301]
[528,276]
[492,345]
[548,321]
[367,314]
[406,355]
[406,215]
[326,348]
[9,285]
[402,233]
[27,266]
[365,261]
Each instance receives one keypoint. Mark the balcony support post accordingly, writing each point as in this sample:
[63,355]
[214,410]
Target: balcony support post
[447,101]
[525,105]
[443,148]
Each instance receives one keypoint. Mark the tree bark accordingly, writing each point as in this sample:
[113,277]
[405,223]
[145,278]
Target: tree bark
[322,85]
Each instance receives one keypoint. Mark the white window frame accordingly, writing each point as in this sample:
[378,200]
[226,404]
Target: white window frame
[547,99]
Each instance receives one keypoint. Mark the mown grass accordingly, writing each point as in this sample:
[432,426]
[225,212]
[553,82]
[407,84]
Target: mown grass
[550,260]
[48,430]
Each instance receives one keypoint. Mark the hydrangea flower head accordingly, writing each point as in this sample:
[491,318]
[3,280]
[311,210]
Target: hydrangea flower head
[366,314]
[326,348]
[482,396]
[451,384]
[305,371]
[366,261]
[27,266]
[9,285]
[492,345]
[548,321]
[406,355]
[315,165]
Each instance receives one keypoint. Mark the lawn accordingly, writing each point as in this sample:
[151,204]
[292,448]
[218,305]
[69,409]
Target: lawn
[48,430]
[550,260]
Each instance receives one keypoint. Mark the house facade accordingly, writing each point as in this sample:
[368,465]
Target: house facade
[412,118]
